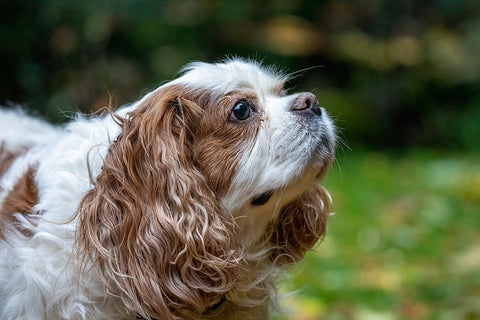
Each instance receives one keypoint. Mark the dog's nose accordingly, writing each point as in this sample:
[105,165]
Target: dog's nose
[306,101]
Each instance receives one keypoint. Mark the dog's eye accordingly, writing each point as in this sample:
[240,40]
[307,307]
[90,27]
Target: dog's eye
[241,111]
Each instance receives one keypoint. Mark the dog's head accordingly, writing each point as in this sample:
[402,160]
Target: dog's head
[208,170]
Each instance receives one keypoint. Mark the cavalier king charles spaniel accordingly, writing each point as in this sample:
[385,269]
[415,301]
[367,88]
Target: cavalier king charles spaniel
[182,205]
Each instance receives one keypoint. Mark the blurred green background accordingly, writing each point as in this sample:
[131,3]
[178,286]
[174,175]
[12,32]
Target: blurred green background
[401,78]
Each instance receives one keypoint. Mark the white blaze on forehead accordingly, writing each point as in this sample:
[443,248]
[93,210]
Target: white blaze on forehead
[231,75]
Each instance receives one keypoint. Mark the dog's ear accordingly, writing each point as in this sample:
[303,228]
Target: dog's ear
[300,225]
[151,224]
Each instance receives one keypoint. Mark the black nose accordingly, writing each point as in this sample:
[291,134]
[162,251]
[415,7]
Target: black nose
[306,102]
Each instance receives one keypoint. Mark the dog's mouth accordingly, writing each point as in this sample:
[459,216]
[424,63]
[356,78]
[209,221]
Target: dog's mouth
[324,169]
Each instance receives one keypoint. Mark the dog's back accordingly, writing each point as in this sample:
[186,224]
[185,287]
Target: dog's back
[34,152]
[20,137]
[18,130]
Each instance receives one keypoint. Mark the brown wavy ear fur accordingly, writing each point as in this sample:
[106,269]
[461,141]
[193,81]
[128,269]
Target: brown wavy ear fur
[300,225]
[151,225]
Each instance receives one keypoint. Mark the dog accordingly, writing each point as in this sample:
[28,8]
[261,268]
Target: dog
[183,205]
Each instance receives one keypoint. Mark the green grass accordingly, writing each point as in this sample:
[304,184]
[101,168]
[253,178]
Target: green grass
[404,242]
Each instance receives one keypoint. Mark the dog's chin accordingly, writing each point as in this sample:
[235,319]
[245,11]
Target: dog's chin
[312,169]
[318,158]
[322,168]
[312,174]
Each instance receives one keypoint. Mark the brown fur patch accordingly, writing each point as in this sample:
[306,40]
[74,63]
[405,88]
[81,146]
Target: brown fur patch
[300,225]
[218,142]
[153,216]
[20,199]
[7,157]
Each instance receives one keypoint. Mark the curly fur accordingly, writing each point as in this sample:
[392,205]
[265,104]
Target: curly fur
[150,212]
[151,223]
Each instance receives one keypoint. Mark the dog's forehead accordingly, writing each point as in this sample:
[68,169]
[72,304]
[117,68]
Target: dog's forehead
[232,75]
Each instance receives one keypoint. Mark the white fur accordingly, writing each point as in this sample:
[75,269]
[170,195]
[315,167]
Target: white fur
[38,278]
